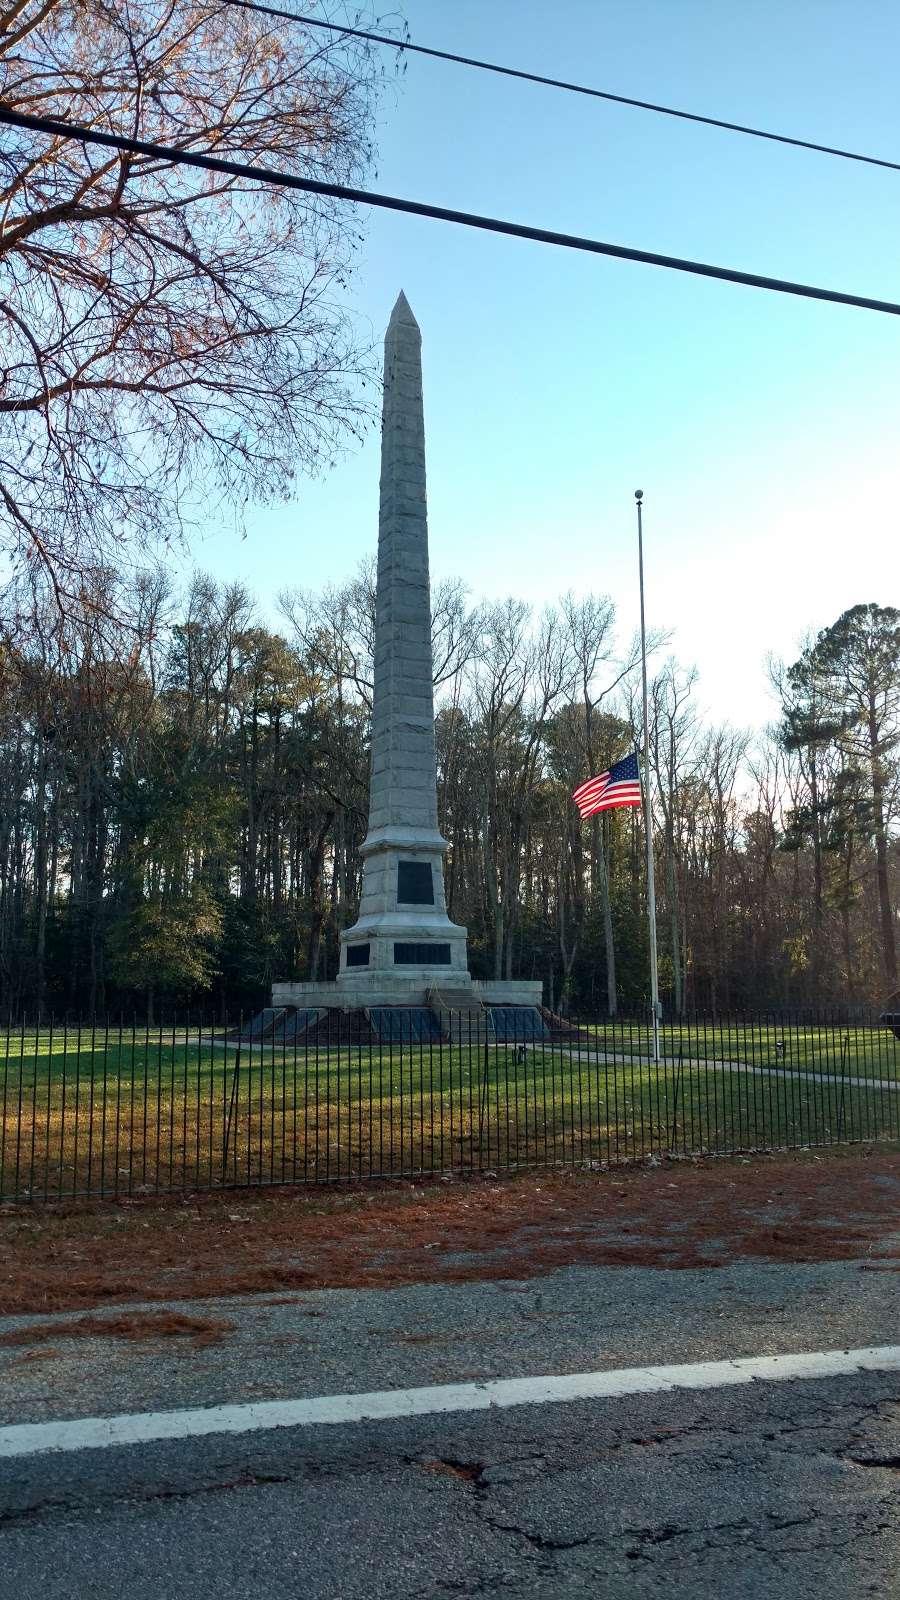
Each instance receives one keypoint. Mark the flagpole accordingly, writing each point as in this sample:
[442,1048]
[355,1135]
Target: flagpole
[648,818]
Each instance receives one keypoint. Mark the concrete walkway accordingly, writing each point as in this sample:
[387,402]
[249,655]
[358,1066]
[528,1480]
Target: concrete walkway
[846,1080]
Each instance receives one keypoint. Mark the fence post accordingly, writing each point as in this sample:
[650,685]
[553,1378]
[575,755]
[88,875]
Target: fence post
[230,1112]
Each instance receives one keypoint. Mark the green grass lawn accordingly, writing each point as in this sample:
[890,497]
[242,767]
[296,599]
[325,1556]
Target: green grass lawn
[861,1051]
[107,1112]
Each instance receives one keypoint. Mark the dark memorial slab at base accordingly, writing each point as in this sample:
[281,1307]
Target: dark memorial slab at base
[301,1027]
[517,1024]
[404,1024]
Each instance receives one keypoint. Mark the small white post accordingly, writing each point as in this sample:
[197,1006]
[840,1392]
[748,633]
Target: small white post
[648,815]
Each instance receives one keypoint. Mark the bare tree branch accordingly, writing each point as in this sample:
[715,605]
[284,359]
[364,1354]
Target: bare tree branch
[170,340]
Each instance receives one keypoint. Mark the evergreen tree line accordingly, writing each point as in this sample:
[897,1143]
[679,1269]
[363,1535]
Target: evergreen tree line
[183,794]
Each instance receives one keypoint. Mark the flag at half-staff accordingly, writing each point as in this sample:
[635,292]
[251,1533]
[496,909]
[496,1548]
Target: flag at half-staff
[620,786]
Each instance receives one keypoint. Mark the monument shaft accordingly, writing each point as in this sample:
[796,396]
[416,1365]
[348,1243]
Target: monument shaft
[403,788]
[403,951]
[403,943]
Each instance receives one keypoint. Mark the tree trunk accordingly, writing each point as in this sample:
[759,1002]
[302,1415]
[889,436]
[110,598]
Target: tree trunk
[888,944]
[612,1001]
[672,896]
[845,922]
[40,887]
[818,875]
[317,908]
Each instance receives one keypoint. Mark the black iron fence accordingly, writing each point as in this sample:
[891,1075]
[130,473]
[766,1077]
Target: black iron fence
[112,1108]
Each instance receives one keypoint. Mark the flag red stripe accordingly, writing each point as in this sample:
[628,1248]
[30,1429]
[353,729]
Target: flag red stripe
[593,785]
[617,788]
[590,783]
[610,805]
[626,795]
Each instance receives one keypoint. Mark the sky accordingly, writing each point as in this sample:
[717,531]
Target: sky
[762,428]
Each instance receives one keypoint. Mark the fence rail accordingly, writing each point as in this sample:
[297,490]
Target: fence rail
[107,1109]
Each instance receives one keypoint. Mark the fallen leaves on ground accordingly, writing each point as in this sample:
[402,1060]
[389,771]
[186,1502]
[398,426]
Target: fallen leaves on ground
[844,1204]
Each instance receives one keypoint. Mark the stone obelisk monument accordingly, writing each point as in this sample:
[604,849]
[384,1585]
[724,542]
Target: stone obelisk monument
[403,944]
[403,950]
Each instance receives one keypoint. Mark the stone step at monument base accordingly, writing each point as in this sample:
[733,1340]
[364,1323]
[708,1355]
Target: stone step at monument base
[462,1019]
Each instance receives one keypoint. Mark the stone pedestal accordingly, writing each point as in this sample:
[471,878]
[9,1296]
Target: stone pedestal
[416,992]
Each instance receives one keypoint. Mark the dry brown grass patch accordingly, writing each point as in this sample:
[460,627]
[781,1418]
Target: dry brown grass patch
[844,1204]
[201,1331]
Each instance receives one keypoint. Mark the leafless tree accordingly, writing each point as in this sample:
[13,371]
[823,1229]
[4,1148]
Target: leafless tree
[673,734]
[173,341]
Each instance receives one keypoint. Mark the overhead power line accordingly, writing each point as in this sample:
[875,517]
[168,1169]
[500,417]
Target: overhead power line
[562,83]
[419,208]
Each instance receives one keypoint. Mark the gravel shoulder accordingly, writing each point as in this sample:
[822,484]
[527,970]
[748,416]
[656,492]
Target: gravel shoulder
[200,1353]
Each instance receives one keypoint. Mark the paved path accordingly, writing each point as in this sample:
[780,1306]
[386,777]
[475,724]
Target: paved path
[672,1064]
[782,1488]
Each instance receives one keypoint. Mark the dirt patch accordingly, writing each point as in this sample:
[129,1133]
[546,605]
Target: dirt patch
[468,1471]
[841,1205]
[32,1357]
[201,1331]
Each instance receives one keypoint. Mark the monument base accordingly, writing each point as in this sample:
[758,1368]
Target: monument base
[326,1016]
[412,989]
[329,1015]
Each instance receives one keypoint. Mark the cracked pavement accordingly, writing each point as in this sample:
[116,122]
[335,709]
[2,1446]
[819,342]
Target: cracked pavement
[779,1489]
[785,1489]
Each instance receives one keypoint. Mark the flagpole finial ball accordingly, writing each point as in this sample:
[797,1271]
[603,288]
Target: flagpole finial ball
[638,494]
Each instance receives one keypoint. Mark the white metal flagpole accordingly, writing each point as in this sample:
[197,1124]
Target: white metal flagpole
[648,815]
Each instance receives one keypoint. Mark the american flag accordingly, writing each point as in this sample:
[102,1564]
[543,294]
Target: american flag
[620,786]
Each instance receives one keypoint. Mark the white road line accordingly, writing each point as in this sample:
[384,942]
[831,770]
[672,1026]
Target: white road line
[98,1433]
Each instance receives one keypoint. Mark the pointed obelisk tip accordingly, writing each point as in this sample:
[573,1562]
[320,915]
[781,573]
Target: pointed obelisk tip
[402,312]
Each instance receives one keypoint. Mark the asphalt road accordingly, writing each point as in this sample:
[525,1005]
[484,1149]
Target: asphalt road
[787,1489]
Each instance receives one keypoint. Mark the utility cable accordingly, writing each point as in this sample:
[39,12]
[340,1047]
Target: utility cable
[419,208]
[561,83]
